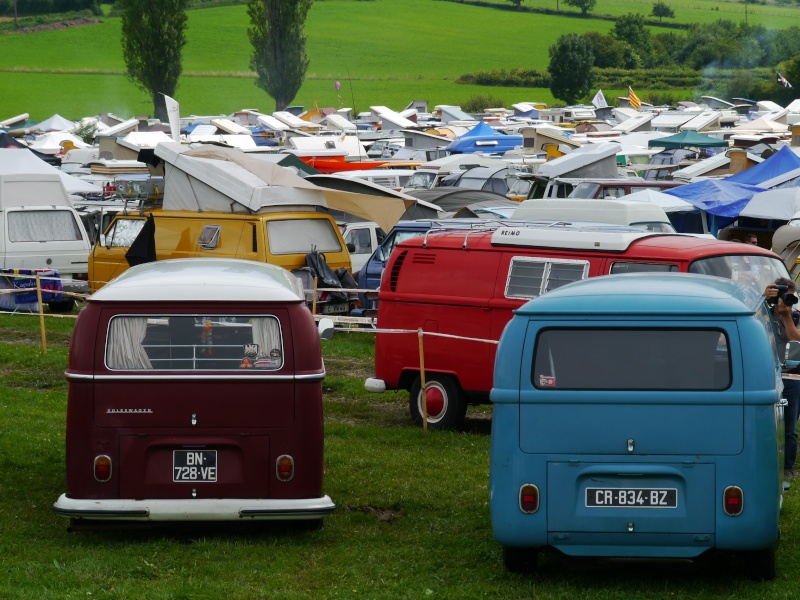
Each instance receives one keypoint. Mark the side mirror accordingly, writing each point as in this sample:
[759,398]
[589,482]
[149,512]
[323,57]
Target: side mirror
[793,353]
[325,328]
[351,247]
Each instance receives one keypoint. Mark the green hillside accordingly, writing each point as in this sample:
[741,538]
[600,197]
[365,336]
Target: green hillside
[385,52]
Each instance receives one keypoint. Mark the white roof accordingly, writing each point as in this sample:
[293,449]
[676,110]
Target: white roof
[202,279]
[335,121]
[391,120]
[123,127]
[671,119]
[589,239]
[270,122]
[702,167]
[578,158]
[238,140]
[21,161]
[229,126]
[136,140]
[632,124]
[619,211]
[705,120]
[294,121]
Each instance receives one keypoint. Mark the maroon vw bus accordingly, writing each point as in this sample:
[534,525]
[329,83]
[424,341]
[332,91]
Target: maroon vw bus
[195,395]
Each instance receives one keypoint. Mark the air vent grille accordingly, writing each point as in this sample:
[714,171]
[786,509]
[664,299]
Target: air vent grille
[395,274]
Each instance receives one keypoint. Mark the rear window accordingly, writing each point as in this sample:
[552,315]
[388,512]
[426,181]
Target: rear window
[248,343]
[631,359]
[297,236]
[43,226]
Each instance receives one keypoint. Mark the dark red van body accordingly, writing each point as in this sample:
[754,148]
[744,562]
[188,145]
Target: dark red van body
[464,284]
[257,420]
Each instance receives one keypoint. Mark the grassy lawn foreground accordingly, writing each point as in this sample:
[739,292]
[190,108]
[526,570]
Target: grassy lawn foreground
[412,517]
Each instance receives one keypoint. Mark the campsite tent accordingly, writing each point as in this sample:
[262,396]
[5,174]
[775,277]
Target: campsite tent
[780,204]
[783,161]
[723,200]
[24,161]
[687,139]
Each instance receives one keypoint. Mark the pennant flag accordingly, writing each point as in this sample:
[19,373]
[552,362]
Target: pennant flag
[782,81]
[174,115]
[633,98]
[599,100]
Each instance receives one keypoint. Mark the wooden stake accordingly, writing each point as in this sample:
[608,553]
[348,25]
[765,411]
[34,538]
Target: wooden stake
[422,382]
[41,313]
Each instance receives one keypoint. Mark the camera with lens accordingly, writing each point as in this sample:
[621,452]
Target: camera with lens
[789,299]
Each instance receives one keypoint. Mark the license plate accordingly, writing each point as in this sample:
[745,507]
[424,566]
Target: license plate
[194,465]
[632,497]
[329,309]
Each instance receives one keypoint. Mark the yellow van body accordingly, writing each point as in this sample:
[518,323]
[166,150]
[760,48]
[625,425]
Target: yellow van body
[278,238]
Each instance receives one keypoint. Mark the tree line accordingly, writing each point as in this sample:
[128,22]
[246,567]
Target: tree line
[154,34]
[725,45]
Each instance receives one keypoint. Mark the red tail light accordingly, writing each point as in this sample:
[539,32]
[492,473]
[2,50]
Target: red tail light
[284,468]
[102,467]
[733,500]
[529,498]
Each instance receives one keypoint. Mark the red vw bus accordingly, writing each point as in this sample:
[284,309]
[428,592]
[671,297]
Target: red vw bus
[195,395]
[465,284]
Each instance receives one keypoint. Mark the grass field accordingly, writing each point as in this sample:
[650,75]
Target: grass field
[384,52]
[412,517]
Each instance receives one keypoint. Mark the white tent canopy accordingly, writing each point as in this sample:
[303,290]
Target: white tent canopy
[21,160]
[668,202]
[781,203]
[55,123]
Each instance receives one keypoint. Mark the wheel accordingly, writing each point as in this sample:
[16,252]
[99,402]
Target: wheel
[63,306]
[761,564]
[445,402]
[520,560]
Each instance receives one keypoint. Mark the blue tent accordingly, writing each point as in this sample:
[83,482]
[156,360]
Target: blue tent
[483,138]
[783,161]
[481,129]
[722,199]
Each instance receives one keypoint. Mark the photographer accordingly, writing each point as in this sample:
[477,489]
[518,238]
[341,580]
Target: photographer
[780,296]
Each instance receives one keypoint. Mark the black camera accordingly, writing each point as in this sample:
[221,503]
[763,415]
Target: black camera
[789,299]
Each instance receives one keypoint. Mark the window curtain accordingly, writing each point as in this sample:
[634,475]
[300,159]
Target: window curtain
[42,226]
[125,350]
[266,333]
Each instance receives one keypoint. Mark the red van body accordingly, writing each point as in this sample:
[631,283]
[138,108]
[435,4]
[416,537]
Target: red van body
[212,410]
[467,283]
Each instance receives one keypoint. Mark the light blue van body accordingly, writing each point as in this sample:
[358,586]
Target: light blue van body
[632,403]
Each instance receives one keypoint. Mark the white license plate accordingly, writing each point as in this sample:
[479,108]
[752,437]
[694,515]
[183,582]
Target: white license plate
[631,497]
[194,465]
[328,309]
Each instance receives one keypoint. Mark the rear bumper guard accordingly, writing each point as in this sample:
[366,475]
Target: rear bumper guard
[227,509]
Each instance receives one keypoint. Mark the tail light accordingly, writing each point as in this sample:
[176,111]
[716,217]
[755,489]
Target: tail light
[733,500]
[81,276]
[102,467]
[284,468]
[529,498]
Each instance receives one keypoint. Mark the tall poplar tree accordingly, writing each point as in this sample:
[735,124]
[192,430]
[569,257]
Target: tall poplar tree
[279,46]
[152,45]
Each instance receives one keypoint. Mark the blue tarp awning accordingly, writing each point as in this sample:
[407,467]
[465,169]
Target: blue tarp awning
[783,161]
[720,197]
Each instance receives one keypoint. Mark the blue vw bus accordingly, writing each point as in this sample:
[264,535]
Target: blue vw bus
[638,416]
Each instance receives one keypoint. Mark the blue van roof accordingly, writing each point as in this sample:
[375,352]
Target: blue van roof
[647,293]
